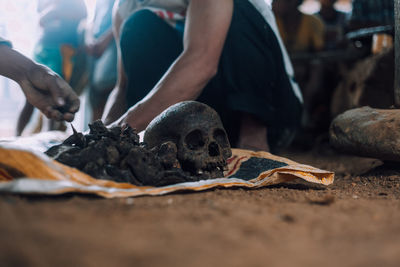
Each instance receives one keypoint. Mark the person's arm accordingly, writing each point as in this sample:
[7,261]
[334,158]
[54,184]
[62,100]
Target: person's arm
[96,47]
[206,28]
[42,87]
[116,102]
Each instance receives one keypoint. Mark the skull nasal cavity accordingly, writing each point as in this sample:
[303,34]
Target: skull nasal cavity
[194,140]
[213,149]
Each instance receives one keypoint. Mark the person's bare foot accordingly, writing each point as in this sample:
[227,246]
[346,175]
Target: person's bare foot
[253,133]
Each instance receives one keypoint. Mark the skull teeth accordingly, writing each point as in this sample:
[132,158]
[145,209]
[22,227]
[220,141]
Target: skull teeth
[212,166]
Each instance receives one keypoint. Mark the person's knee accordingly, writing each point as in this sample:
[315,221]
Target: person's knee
[136,35]
[135,26]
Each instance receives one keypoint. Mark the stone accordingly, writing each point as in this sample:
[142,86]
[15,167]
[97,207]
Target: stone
[368,132]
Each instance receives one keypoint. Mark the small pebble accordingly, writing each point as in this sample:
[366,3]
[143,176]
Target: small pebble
[129,201]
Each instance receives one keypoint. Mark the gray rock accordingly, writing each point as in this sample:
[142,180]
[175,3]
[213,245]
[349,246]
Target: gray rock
[368,132]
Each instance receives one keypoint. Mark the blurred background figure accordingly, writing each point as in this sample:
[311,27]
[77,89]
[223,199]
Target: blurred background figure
[370,13]
[57,44]
[100,44]
[335,22]
[300,32]
[369,80]
[303,35]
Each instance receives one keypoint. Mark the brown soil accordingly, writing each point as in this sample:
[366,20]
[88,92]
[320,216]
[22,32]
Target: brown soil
[355,222]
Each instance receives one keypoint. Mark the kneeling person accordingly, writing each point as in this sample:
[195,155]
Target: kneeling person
[226,54]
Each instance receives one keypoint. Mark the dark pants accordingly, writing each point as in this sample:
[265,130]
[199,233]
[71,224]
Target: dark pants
[251,75]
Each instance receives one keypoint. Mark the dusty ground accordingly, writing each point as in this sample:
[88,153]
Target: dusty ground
[355,222]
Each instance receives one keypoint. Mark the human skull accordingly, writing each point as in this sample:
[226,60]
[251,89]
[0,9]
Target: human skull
[196,129]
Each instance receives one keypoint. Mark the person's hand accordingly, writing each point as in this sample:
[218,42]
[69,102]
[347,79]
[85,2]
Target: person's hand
[97,47]
[123,121]
[49,93]
[93,49]
[131,118]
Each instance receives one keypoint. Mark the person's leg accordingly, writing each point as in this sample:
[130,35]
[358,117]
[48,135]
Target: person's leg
[148,46]
[24,118]
[102,80]
[98,102]
[252,133]
[252,80]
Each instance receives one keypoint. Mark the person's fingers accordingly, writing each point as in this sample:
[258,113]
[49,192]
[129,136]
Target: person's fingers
[59,89]
[54,114]
[120,122]
[74,103]
[123,125]
[71,100]
[68,116]
[47,111]
[50,94]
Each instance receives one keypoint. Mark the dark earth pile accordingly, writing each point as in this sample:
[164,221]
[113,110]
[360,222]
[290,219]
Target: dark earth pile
[116,154]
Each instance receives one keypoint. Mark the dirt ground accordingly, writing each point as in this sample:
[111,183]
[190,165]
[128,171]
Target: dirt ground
[354,222]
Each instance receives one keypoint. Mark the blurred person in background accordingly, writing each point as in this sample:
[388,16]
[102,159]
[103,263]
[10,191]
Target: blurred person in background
[335,23]
[303,36]
[101,46]
[300,32]
[371,13]
[227,54]
[59,21]
[369,77]
[42,87]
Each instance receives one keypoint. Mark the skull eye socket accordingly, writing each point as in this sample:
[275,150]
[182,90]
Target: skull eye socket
[220,137]
[194,140]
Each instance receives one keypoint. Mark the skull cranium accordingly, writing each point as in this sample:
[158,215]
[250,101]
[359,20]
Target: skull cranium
[196,129]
